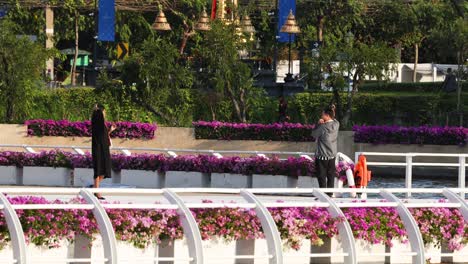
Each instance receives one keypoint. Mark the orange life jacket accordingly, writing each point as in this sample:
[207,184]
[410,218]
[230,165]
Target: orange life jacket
[362,176]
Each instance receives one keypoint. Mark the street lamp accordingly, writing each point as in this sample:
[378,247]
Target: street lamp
[203,23]
[290,27]
[160,23]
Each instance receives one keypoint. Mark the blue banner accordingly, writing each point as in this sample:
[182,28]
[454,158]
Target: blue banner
[284,7]
[106,25]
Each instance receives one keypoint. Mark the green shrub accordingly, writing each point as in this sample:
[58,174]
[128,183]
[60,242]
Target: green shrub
[405,87]
[371,108]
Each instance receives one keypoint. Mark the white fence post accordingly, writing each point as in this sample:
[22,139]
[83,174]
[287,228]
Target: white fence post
[190,226]
[345,231]
[414,234]
[462,174]
[275,247]
[409,174]
[106,229]
[16,231]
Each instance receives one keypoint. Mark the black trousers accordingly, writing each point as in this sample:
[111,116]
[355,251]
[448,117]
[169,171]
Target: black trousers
[326,172]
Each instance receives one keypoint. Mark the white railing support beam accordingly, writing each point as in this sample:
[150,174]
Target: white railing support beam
[454,198]
[272,235]
[409,174]
[462,174]
[345,231]
[190,226]
[16,231]
[411,226]
[106,229]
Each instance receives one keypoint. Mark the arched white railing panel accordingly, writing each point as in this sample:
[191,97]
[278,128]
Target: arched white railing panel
[345,231]
[192,231]
[269,228]
[189,224]
[414,234]
[16,231]
[105,226]
[454,198]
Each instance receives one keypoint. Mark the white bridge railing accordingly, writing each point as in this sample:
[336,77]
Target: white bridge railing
[172,152]
[409,164]
[253,200]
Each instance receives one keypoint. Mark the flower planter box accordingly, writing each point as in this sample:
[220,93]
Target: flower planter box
[273,181]
[307,182]
[290,256]
[227,180]
[85,178]
[334,245]
[142,179]
[35,252]
[460,255]
[397,249]
[433,253]
[213,249]
[10,175]
[47,176]
[182,179]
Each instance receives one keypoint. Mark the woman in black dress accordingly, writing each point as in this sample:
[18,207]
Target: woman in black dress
[102,163]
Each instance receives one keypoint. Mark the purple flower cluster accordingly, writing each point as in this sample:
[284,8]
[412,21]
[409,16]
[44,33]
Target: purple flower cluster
[244,131]
[205,164]
[142,227]
[423,135]
[382,225]
[292,166]
[65,128]
[51,158]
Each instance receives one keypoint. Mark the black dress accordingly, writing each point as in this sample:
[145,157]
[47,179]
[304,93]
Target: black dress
[102,163]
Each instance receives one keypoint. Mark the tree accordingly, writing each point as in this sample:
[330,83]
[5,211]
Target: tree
[21,69]
[158,81]
[222,68]
[69,16]
[424,17]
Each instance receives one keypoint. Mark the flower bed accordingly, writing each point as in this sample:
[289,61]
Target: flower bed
[243,131]
[67,128]
[411,135]
[152,162]
[142,227]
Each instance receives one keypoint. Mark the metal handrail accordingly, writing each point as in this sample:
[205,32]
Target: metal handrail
[409,164]
[127,150]
[252,200]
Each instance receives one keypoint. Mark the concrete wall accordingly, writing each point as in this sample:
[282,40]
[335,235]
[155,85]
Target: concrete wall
[183,138]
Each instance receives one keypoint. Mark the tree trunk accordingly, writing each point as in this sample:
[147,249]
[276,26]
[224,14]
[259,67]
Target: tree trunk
[416,60]
[75,57]
[320,24]
[9,97]
[213,113]
[240,113]
[349,107]
[186,35]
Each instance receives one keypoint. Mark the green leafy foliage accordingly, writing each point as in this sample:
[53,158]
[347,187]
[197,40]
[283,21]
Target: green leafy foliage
[21,65]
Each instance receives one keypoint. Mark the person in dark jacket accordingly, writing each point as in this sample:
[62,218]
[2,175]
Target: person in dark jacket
[450,82]
[326,133]
[101,143]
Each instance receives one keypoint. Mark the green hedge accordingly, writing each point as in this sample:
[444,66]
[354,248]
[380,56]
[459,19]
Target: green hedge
[376,108]
[409,109]
[75,104]
[405,87]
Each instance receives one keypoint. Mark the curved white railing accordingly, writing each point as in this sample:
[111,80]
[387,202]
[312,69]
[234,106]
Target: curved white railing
[252,198]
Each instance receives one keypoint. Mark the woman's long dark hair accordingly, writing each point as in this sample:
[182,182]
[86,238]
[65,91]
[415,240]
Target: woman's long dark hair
[97,121]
